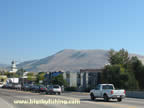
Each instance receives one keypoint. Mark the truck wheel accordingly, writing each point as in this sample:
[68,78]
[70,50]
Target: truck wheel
[119,99]
[92,97]
[106,99]
[59,93]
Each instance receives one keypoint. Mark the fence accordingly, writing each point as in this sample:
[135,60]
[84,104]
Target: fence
[135,94]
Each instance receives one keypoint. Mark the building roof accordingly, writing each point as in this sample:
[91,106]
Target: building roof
[90,70]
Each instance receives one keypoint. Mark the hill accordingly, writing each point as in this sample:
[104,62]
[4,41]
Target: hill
[70,60]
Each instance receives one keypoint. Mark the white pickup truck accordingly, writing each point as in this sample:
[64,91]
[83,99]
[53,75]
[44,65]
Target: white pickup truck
[107,91]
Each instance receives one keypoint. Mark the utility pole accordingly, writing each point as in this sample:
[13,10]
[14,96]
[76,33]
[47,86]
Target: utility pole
[50,78]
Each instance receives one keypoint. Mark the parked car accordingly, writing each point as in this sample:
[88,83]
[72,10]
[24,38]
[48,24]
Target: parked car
[5,86]
[107,91]
[26,87]
[35,88]
[1,84]
[12,86]
[17,86]
[42,88]
[53,89]
[30,88]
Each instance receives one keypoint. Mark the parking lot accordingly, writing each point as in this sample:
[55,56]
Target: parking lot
[8,96]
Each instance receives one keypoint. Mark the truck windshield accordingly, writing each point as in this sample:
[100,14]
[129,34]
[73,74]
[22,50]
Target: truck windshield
[108,87]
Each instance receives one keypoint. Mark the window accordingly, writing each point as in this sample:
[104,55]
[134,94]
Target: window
[78,75]
[98,87]
[108,87]
[67,75]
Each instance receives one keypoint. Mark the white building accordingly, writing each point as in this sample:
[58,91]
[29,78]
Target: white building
[13,67]
[13,70]
[25,75]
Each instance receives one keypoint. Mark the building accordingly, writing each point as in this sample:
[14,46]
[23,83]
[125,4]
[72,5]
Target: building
[25,75]
[83,80]
[24,78]
[71,78]
[88,78]
[13,67]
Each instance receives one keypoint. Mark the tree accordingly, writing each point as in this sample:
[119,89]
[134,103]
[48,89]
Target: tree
[116,75]
[31,77]
[138,70]
[10,75]
[40,76]
[20,72]
[120,72]
[2,72]
[59,80]
[120,57]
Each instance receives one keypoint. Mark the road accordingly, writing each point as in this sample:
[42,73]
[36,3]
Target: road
[7,98]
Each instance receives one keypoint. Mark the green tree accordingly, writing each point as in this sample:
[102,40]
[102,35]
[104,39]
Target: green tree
[138,70]
[120,57]
[116,75]
[31,77]
[20,72]
[7,74]
[59,80]
[11,75]
[120,72]
[40,76]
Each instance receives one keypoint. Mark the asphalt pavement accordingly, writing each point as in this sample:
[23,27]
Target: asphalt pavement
[80,100]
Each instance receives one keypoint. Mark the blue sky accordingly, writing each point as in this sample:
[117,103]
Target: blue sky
[33,29]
